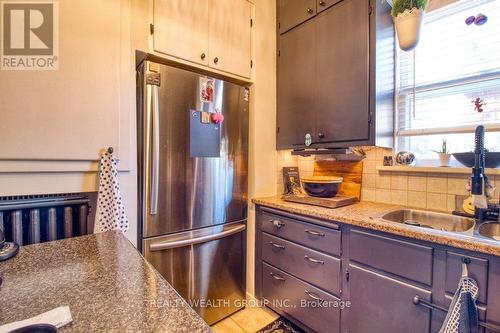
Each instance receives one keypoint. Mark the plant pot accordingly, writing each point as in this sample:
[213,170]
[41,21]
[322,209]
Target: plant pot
[444,159]
[408,25]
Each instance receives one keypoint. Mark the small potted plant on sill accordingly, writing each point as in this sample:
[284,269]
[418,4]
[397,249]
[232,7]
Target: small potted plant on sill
[444,155]
[408,16]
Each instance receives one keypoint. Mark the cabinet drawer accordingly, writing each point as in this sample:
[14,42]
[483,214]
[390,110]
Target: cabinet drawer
[477,268]
[380,304]
[294,12]
[297,298]
[312,266]
[313,236]
[402,258]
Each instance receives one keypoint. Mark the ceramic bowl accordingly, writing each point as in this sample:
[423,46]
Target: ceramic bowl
[492,159]
[322,186]
[405,158]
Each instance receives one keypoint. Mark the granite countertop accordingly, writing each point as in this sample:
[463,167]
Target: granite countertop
[367,215]
[107,284]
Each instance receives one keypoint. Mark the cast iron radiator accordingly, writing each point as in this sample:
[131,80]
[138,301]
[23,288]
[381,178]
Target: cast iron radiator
[35,219]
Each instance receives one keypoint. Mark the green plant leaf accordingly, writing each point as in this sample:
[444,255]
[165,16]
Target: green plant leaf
[399,6]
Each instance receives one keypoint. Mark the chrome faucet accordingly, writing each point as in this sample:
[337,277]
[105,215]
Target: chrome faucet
[478,178]
[479,182]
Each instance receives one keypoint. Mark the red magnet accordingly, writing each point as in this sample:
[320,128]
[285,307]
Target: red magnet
[217,118]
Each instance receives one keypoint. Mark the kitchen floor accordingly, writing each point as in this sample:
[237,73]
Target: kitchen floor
[248,320]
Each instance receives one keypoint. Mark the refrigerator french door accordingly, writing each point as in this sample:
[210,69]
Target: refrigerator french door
[192,181]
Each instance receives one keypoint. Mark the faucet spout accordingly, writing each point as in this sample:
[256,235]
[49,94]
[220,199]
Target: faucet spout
[477,179]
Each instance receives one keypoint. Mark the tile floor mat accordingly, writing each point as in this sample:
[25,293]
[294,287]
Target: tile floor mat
[281,325]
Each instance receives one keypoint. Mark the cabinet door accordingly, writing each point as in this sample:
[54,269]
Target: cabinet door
[343,72]
[230,36]
[296,85]
[324,4]
[294,12]
[181,29]
[380,304]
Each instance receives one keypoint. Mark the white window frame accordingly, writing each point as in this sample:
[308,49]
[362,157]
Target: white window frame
[495,127]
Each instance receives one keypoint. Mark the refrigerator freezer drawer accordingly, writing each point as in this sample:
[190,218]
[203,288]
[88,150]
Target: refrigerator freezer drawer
[206,266]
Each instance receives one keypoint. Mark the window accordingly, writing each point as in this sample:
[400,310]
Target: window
[453,64]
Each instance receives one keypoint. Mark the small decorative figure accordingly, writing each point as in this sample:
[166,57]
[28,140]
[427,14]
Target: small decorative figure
[478,104]
[480,19]
[470,20]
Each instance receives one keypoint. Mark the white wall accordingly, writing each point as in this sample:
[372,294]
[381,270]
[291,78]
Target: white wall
[25,177]
[262,157]
[70,166]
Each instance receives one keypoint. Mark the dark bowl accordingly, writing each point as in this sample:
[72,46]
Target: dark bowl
[492,159]
[322,187]
[36,328]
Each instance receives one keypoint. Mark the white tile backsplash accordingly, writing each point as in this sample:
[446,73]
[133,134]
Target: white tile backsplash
[417,199]
[417,182]
[417,190]
[437,184]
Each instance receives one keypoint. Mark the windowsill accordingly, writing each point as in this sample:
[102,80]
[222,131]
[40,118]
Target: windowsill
[431,169]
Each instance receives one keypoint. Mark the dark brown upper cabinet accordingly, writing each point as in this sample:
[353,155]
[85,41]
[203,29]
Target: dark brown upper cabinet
[294,12]
[342,75]
[298,57]
[330,85]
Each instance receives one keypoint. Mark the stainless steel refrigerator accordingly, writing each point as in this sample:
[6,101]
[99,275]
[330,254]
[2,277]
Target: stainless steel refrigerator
[193,184]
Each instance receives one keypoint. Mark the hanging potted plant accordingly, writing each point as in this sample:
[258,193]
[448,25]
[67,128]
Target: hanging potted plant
[444,155]
[408,16]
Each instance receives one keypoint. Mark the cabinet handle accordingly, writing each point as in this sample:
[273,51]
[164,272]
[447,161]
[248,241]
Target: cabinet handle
[216,60]
[315,233]
[322,3]
[277,223]
[316,261]
[281,247]
[310,11]
[202,56]
[313,296]
[277,277]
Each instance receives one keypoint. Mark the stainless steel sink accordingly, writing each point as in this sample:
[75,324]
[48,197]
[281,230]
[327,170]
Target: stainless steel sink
[490,230]
[432,220]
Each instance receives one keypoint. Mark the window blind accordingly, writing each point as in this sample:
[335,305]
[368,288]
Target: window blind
[453,65]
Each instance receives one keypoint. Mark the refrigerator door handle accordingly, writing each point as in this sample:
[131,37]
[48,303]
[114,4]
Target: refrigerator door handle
[153,110]
[159,246]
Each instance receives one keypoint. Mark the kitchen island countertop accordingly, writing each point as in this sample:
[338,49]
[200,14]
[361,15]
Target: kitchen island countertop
[107,284]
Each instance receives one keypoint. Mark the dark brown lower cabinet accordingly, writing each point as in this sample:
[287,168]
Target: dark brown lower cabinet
[380,304]
[375,275]
[302,301]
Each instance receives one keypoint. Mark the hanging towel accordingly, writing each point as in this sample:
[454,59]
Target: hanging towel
[462,316]
[110,214]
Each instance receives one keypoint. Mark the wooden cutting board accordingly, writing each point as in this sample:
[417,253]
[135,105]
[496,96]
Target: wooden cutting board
[351,171]
[335,202]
